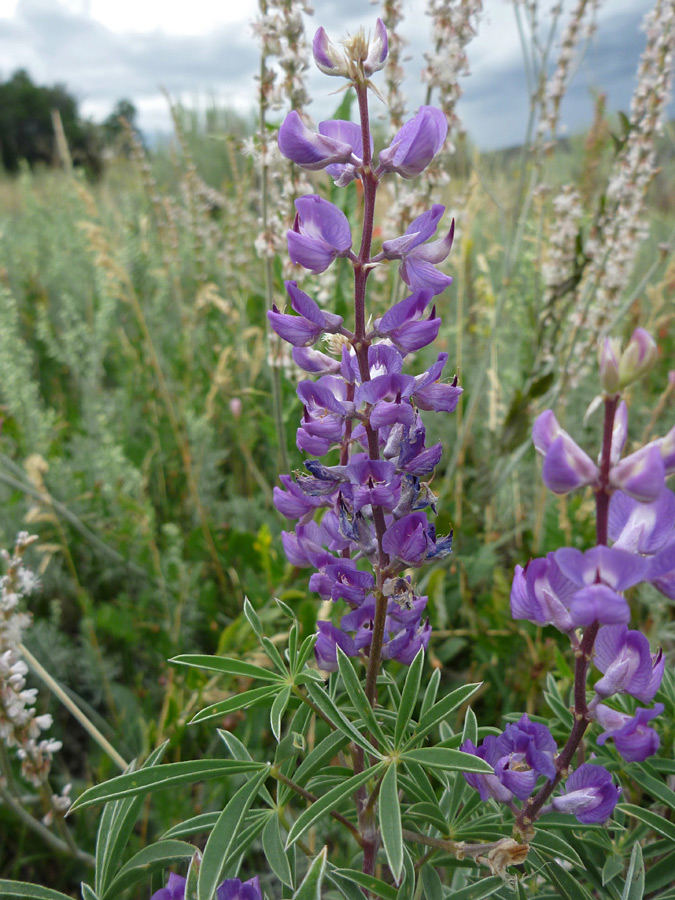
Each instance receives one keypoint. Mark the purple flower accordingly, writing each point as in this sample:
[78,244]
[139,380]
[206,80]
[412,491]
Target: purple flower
[488,786]
[430,394]
[590,794]
[310,150]
[542,594]
[309,325]
[409,539]
[633,738]
[174,890]
[627,663]
[234,889]
[332,61]
[320,233]
[349,133]
[314,361]
[566,466]
[662,571]
[600,573]
[419,259]
[643,528]
[525,750]
[403,323]
[416,143]
[641,475]
[230,889]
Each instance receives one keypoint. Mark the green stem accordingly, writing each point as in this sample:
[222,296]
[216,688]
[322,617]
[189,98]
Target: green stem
[63,697]
[50,839]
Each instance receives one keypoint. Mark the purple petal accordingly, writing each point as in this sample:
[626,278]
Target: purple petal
[307,149]
[640,475]
[598,603]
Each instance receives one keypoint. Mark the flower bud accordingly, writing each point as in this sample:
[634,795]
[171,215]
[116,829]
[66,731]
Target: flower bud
[327,57]
[608,360]
[638,357]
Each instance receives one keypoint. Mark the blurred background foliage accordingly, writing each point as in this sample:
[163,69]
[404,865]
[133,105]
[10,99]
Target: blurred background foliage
[138,438]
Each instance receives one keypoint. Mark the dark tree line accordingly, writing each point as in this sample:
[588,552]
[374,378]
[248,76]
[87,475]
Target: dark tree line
[27,125]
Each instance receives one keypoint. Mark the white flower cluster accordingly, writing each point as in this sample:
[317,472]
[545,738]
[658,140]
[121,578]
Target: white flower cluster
[281,32]
[614,242]
[455,23]
[20,726]
[392,16]
[576,30]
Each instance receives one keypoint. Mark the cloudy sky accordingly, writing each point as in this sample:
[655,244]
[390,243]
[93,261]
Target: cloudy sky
[201,50]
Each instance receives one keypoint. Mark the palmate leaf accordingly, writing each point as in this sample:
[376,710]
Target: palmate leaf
[326,704]
[225,666]
[159,778]
[10,888]
[148,860]
[389,812]
[328,802]
[310,887]
[223,835]
[357,695]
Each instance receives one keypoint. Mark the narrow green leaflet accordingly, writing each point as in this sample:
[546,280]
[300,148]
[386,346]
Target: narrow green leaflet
[430,693]
[88,892]
[552,845]
[408,697]
[634,889]
[431,882]
[480,889]
[224,835]
[441,710]
[159,778]
[253,618]
[406,890]
[390,822]
[656,788]
[239,751]
[225,666]
[273,849]
[304,652]
[369,882]
[470,730]
[320,697]
[203,822]
[328,802]
[236,701]
[611,868]
[192,880]
[274,655]
[148,860]
[313,762]
[567,884]
[117,823]
[10,888]
[358,697]
[278,710]
[658,823]
[661,874]
[310,887]
[450,760]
